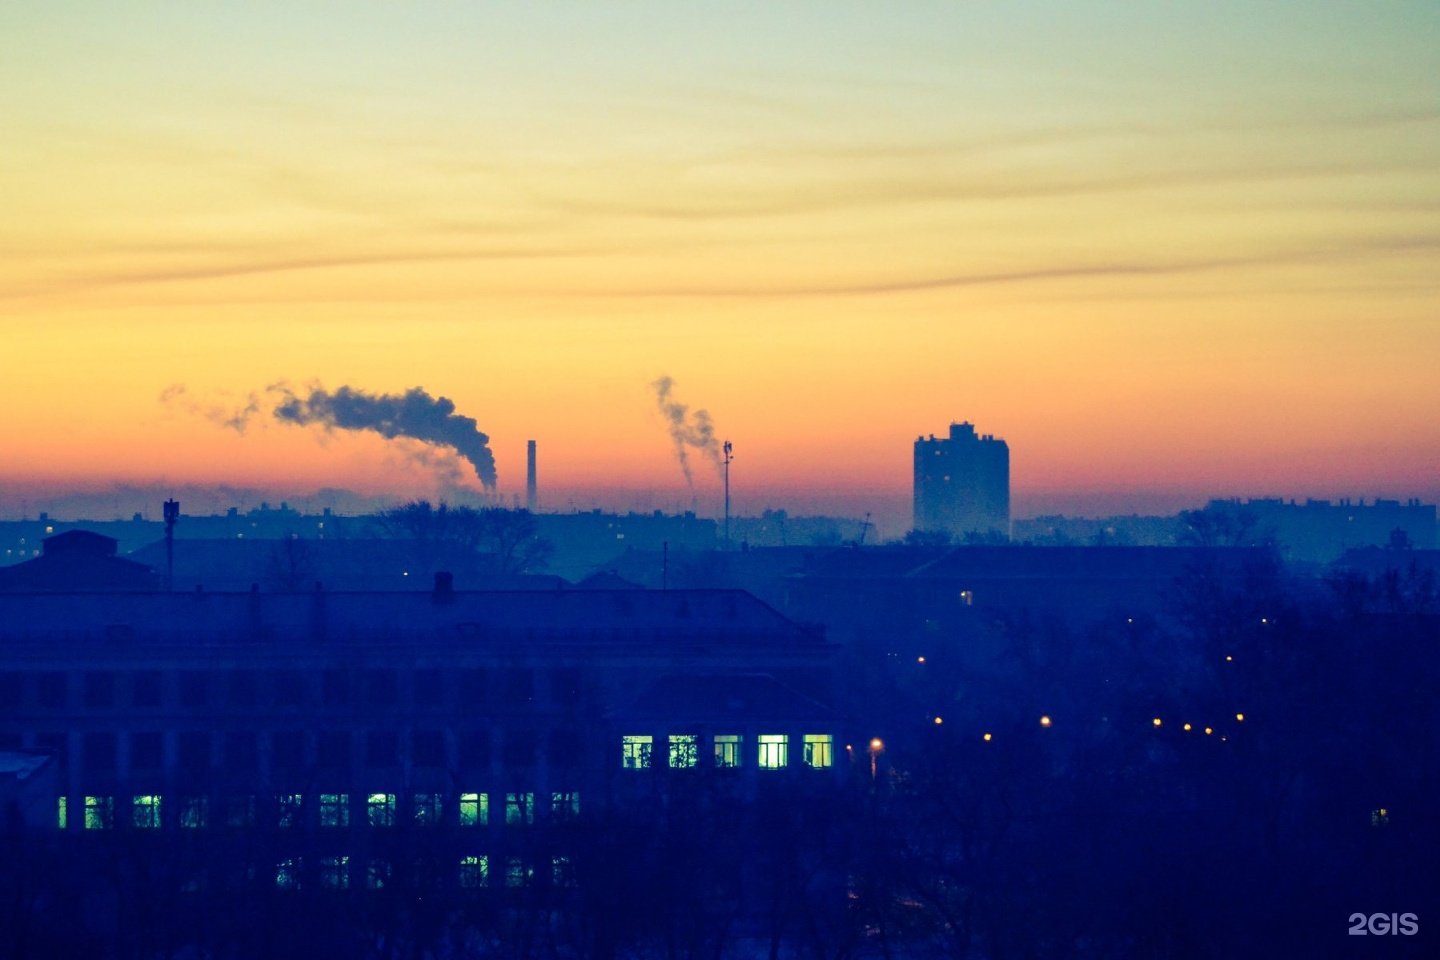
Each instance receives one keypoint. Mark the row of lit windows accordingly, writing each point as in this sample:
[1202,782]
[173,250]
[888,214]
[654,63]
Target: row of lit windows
[772,750]
[101,689]
[333,810]
[473,872]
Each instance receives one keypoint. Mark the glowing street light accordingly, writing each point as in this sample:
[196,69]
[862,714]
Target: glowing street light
[1187,726]
[1240,717]
[1156,721]
[939,720]
[1045,721]
[987,738]
[876,746]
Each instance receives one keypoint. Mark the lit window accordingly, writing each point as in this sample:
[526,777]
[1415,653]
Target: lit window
[774,751]
[562,871]
[377,874]
[637,752]
[380,809]
[565,806]
[99,813]
[292,811]
[727,750]
[428,810]
[519,808]
[335,873]
[240,813]
[684,750]
[517,874]
[194,812]
[474,872]
[818,747]
[474,809]
[287,874]
[62,809]
[334,809]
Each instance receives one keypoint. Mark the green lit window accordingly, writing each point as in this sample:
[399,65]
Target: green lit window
[474,809]
[287,874]
[519,808]
[61,811]
[428,809]
[335,873]
[99,813]
[637,752]
[380,809]
[562,871]
[240,812]
[194,812]
[474,872]
[291,812]
[378,874]
[684,750]
[334,809]
[774,751]
[727,750]
[819,750]
[145,812]
[565,806]
[517,874]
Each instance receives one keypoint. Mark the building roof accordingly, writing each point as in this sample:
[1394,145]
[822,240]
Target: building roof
[719,699]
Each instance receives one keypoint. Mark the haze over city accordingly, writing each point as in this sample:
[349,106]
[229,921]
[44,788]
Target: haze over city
[1168,253]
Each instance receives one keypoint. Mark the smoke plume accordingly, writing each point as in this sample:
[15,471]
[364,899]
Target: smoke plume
[688,430]
[413,414]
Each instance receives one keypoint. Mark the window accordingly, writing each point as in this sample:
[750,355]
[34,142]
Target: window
[774,751]
[727,750]
[99,813]
[289,688]
[336,688]
[380,809]
[291,811]
[194,812]
[566,745]
[474,809]
[287,874]
[62,810]
[100,751]
[194,689]
[377,874]
[334,809]
[242,755]
[519,808]
[381,688]
[52,690]
[474,872]
[145,812]
[240,812]
[194,751]
[517,874]
[287,749]
[521,748]
[147,689]
[562,871]
[474,749]
[637,752]
[427,810]
[99,689]
[382,748]
[146,750]
[565,686]
[519,687]
[243,688]
[333,750]
[427,748]
[472,686]
[565,806]
[9,688]
[429,688]
[335,873]
[818,750]
[684,750]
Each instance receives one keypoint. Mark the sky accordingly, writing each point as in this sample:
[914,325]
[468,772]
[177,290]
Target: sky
[1168,251]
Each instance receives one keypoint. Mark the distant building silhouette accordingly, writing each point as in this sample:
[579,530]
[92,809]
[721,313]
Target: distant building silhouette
[962,484]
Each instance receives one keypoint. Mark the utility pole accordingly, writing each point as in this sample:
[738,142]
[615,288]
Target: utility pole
[728,458]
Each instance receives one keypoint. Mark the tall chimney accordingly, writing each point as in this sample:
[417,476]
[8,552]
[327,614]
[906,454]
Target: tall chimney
[532,498]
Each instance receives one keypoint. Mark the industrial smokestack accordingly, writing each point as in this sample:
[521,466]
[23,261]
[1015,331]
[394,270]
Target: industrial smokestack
[532,497]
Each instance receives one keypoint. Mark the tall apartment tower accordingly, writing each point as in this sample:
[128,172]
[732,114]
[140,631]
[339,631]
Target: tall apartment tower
[962,484]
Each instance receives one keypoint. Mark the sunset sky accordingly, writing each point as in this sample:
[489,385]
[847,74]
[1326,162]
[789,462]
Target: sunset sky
[1168,251]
